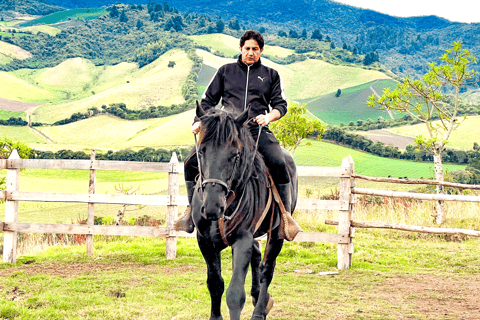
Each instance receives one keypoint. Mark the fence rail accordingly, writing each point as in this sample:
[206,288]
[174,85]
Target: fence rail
[345,205]
[13,195]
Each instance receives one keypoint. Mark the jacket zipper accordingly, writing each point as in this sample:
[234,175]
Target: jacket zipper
[246,88]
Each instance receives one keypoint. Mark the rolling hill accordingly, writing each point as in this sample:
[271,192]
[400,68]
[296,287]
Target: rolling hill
[77,84]
[463,137]
[351,104]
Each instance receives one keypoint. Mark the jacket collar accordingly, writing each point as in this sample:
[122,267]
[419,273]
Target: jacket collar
[245,66]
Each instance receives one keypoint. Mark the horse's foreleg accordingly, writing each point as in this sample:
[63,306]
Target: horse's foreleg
[255,263]
[266,276]
[242,253]
[215,283]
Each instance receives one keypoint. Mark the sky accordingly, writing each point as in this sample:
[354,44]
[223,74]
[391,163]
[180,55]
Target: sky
[458,10]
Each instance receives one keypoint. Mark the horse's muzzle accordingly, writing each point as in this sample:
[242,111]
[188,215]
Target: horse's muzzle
[212,212]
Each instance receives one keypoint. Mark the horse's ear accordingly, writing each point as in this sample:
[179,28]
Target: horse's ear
[240,120]
[200,112]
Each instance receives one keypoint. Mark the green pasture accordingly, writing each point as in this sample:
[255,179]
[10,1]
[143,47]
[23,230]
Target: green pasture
[326,154]
[88,86]
[5,115]
[129,278]
[229,45]
[350,105]
[85,14]
[16,34]
[21,133]
[462,137]
[106,132]
[4,59]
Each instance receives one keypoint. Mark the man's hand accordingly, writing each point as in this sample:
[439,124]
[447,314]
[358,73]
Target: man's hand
[265,119]
[196,127]
[262,119]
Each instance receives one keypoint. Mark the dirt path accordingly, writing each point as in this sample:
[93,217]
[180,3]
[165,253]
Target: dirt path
[11,105]
[389,138]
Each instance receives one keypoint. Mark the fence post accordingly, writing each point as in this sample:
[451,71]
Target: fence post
[91,206]
[172,209]
[345,251]
[11,211]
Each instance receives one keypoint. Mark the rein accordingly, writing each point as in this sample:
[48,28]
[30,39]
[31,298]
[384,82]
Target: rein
[230,194]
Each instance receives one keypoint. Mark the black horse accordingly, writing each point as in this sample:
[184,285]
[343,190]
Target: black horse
[231,206]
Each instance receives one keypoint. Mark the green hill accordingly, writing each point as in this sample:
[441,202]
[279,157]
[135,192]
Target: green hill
[463,137]
[351,104]
[65,15]
[325,154]
[77,84]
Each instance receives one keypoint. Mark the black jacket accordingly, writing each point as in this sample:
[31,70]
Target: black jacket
[265,89]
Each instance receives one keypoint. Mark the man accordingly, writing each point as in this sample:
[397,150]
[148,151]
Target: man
[242,84]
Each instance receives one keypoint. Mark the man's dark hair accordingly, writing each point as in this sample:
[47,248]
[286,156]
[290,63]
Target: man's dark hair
[252,35]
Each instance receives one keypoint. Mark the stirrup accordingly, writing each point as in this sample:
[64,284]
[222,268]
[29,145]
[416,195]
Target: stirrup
[185,222]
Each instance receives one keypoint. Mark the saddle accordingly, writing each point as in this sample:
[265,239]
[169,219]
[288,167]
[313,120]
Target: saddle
[278,218]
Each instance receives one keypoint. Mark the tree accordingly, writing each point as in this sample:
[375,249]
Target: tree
[425,101]
[293,34]
[295,126]
[123,17]
[339,92]
[113,12]
[304,34]
[316,35]
[6,148]
[220,25]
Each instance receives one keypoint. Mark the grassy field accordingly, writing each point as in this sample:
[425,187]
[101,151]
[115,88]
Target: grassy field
[394,275]
[229,45]
[463,137]
[85,14]
[326,154]
[13,51]
[152,85]
[108,132]
[350,105]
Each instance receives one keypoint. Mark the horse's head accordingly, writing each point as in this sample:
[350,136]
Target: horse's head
[222,158]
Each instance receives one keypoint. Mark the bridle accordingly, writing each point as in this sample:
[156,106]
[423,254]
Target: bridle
[230,194]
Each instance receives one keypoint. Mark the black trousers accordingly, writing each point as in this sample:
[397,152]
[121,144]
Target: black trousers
[268,147]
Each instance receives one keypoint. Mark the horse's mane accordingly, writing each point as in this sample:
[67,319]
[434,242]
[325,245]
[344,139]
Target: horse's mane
[219,128]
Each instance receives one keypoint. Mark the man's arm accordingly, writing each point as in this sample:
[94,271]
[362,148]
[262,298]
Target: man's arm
[278,100]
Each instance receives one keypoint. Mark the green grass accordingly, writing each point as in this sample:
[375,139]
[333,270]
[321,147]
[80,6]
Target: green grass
[350,105]
[325,154]
[4,59]
[24,134]
[88,86]
[63,283]
[5,115]
[86,14]
[463,137]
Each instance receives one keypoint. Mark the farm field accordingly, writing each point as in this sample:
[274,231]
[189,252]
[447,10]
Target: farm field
[12,51]
[350,105]
[463,137]
[85,13]
[154,84]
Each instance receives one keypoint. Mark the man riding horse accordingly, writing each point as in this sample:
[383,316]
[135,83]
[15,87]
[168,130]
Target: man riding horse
[247,83]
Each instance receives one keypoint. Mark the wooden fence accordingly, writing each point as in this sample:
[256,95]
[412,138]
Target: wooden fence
[12,195]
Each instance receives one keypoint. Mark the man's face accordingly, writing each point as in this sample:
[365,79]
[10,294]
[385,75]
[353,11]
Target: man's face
[251,51]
